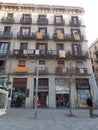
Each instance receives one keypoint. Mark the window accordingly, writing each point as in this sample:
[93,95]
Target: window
[4,47]
[59,30]
[74,19]
[25,30]
[42,16]
[43,30]
[2,81]
[23,46]
[60,46]
[26,16]
[21,63]
[41,64]
[2,65]
[58,19]
[7,29]
[95,48]
[10,15]
[41,46]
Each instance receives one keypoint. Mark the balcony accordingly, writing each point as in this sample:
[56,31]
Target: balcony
[5,35]
[76,23]
[42,21]
[24,20]
[59,37]
[25,52]
[81,71]
[74,38]
[61,70]
[21,35]
[42,70]
[40,36]
[65,54]
[8,20]
[71,71]
[20,69]
[59,23]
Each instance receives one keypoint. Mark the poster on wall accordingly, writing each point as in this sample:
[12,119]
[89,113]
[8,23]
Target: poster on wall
[82,96]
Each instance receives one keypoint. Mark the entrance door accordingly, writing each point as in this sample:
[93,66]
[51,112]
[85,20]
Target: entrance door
[62,100]
[19,92]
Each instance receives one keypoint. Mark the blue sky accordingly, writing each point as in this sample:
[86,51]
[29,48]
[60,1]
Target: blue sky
[90,17]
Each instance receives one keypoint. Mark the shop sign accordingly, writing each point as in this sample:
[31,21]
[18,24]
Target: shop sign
[62,89]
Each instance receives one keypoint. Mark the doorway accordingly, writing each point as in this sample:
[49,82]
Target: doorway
[62,100]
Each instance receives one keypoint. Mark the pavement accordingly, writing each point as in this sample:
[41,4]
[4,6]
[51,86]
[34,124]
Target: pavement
[48,119]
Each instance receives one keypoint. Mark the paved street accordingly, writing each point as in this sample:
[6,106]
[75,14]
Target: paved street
[48,119]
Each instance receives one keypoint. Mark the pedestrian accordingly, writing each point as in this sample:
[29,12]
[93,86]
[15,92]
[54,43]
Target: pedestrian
[90,105]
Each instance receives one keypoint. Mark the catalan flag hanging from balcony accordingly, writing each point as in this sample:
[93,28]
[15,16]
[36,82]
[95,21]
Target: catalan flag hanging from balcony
[76,36]
[62,53]
[61,36]
[39,35]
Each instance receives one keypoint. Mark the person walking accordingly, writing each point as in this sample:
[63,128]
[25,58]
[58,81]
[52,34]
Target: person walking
[90,105]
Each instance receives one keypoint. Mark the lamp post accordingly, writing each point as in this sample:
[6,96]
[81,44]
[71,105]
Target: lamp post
[70,96]
[70,80]
[36,95]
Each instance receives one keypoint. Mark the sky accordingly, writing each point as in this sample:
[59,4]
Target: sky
[90,16]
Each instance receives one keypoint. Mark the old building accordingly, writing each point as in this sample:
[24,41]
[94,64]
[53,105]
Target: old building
[54,37]
[94,58]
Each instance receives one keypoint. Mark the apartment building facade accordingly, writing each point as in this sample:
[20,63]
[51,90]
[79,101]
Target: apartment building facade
[94,58]
[55,37]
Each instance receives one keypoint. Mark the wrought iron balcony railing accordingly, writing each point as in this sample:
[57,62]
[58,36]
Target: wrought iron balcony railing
[24,20]
[42,70]
[21,35]
[52,53]
[6,34]
[62,70]
[42,21]
[76,23]
[8,20]
[59,22]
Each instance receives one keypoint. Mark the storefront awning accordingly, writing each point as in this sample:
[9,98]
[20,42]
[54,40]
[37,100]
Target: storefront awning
[20,69]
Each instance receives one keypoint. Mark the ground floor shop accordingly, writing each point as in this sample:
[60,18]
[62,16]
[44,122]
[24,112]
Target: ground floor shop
[53,92]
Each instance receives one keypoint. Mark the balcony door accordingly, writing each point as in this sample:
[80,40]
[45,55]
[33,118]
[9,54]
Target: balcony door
[74,19]
[4,47]
[43,30]
[23,46]
[76,49]
[25,31]
[42,47]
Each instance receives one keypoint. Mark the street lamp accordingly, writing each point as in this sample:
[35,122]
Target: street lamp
[70,95]
[36,95]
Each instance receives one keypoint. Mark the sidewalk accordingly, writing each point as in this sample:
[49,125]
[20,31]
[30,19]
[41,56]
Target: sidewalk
[48,119]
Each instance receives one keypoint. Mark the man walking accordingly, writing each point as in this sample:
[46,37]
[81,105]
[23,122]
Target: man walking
[90,105]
